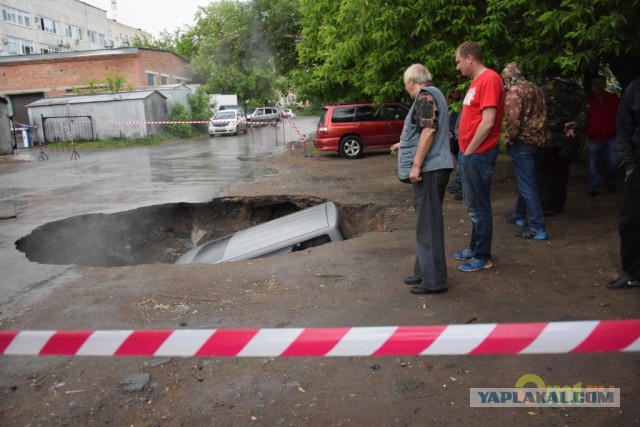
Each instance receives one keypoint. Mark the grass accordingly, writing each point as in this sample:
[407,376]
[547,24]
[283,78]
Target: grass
[129,142]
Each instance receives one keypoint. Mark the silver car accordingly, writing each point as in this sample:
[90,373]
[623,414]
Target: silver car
[309,227]
[228,122]
[263,114]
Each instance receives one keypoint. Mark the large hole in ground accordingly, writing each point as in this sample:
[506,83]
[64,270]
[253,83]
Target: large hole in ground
[162,233]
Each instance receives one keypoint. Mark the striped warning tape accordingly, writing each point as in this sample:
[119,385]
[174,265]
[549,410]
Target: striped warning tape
[170,122]
[302,136]
[482,339]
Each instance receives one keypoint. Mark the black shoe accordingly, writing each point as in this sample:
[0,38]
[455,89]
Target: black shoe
[458,196]
[412,280]
[419,290]
[623,282]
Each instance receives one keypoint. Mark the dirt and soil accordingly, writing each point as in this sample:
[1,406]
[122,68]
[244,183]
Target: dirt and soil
[357,282]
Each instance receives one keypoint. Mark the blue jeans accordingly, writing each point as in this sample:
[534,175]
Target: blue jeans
[477,171]
[607,151]
[523,157]
[458,183]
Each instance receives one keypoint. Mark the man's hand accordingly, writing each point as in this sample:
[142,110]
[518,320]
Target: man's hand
[414,175]
[569,129]
[394,148]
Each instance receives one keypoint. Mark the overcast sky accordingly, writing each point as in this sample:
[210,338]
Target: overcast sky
[152,16]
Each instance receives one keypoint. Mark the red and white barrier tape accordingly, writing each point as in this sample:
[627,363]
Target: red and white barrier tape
[482,339]
[169,122]
[293,124]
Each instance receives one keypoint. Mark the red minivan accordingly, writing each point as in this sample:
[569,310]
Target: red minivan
[352,128]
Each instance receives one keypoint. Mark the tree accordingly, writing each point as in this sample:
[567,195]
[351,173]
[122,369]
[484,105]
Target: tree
[358,50]
[279,20]
[233,54]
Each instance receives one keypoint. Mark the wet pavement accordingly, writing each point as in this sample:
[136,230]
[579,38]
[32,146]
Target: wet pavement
[114,180]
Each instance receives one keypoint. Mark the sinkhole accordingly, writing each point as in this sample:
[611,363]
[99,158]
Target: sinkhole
[163,233]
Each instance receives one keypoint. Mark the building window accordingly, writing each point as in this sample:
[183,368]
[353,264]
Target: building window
[20,46]
[72,31]
[49,48]
[15,16]
[48,25]
[151,79]
[93,36]
[178,80]
[101,41]
[165,80]
[80,34]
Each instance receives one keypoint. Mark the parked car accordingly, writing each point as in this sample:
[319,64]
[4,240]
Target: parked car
[350,129]
[263,114]
[228,122]
[309,227]
[287,113]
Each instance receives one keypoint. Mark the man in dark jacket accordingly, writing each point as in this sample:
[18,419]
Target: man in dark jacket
[567,116]
[628,140]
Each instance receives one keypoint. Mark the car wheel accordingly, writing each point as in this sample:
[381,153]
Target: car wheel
[236,132]
[351,147]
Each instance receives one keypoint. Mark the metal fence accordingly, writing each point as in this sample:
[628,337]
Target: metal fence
[67,128]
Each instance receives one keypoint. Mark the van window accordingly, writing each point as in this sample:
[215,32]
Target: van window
[343,115]
[366,113]
[394,112]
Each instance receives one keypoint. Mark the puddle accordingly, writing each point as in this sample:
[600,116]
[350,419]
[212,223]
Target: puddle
[162,233]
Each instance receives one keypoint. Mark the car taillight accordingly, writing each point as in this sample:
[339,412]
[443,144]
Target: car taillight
[323,129]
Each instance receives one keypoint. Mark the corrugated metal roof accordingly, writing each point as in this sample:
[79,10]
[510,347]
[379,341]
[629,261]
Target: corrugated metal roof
[103,97]
[71,54]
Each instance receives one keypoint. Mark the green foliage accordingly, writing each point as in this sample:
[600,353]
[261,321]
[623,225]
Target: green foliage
[358,50]
[93,86]
[242,47]
[180,112]
[119,143]
[115,82]
[199,109]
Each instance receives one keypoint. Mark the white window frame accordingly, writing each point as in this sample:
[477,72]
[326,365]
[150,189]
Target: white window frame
[20,46]
[151,78]
[101,40]
[16,16]
[92,36]
[49,48]
[48,25]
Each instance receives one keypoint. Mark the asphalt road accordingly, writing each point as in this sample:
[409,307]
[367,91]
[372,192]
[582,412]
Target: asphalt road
[114,180]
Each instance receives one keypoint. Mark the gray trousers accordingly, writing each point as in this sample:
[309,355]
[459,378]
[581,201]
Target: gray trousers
[430,264]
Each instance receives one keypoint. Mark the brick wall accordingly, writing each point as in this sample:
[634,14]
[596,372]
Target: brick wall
[54,75]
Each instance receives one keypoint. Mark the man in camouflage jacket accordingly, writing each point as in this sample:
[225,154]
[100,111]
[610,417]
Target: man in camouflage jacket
[526,119]
[567,111]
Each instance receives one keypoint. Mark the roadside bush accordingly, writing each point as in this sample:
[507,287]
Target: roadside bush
[199,107]
[179,113]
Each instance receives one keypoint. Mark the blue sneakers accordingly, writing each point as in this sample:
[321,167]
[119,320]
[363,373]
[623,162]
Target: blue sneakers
[463,255]
[521,222]
[475,264]
[532,233]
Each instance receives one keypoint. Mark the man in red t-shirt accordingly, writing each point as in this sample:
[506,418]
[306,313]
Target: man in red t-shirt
[479,132]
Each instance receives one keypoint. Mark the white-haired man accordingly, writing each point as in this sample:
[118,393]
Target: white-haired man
[424,160]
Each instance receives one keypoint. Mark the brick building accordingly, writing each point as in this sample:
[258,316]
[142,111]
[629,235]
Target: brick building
[27,78]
